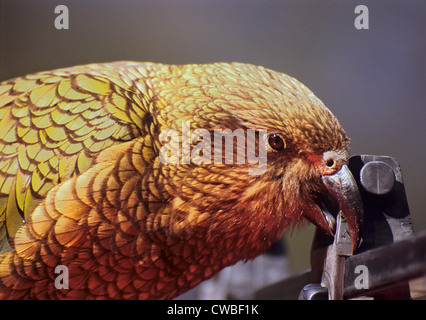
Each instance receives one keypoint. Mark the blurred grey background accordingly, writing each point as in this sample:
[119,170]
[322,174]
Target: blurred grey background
[373,80]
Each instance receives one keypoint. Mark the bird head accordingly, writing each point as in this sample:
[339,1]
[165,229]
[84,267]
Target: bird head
[306,175]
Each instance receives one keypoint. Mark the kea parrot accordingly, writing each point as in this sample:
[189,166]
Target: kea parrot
[83,187]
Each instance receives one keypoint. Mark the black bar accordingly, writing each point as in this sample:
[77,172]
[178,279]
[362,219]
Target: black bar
[387,265]
[389,268]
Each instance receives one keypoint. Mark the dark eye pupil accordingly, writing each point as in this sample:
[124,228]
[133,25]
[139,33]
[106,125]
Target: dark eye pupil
[276,142]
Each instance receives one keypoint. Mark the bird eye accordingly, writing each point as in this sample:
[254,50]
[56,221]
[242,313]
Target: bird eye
[276,142]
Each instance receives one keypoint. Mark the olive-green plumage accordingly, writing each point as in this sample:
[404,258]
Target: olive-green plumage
[82,184]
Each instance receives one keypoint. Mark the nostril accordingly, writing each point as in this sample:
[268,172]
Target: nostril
[330,163]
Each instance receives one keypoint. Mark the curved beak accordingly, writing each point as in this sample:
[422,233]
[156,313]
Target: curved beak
[342,191]
[343,188]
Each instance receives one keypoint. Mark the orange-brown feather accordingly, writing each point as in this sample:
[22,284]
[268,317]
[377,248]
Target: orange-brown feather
[96,198]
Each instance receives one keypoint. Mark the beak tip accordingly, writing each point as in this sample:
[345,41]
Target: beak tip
[343,187]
